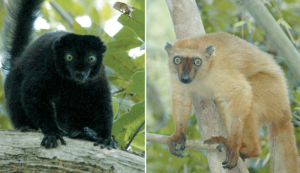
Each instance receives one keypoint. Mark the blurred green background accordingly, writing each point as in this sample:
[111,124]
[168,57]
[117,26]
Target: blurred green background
[125,57]
[217,16]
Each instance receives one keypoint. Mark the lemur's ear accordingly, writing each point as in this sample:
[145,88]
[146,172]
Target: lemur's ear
[168,47]
[210,50]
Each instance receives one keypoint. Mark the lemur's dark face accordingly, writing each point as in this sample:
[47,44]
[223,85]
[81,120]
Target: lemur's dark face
[79,57]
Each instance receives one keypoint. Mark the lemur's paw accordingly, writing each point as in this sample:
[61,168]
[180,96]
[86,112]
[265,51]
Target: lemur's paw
[231,160]
[109,143]
[50,139]
[172,142]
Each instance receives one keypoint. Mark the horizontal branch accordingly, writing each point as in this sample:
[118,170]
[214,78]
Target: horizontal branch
[198,144]
[190,144]
[22,152]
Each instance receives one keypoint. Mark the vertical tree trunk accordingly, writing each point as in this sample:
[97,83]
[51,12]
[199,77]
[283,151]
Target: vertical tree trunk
[187,23]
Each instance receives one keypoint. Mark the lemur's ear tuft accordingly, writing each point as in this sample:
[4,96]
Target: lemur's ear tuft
[210,50]
[168,47]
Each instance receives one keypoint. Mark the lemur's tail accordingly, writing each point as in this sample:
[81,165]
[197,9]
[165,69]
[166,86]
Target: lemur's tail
[282,141]
[17,28]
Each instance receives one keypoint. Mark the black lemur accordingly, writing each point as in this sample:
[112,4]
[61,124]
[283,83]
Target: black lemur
[56,83]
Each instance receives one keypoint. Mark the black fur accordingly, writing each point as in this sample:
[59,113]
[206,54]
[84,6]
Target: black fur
[44,90]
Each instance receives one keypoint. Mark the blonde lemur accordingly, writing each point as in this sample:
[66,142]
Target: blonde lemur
[249,89]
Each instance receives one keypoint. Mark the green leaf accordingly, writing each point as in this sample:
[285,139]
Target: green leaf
[142,5]
[120,62]
[249,25]
[140,62]
[94,15]
[125,127]
[106,11]
[71,6]
[78,29]
[124,44]
[118,81]
[136,22]
[115,104]
[238,24]
[138,83]
[125,33]
[139,142]
[133,148]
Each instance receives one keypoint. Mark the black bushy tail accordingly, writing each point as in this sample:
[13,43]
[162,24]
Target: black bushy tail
[17,28]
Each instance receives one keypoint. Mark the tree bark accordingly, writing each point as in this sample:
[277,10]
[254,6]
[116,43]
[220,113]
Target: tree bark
[21,152]
[187,23]
[273,31]
[186,19]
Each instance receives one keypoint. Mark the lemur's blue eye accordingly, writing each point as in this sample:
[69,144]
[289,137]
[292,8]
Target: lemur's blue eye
[69,57]
[198,62]
[177,60]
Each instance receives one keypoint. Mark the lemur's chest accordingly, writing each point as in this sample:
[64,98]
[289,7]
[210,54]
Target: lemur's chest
[201,90]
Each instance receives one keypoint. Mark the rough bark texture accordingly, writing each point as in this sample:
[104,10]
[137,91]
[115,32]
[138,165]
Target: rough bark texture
[273,31]
[21,152]
[186,19]
[187,23]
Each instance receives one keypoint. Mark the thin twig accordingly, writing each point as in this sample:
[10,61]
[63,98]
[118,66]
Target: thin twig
[121,90]
[122,99]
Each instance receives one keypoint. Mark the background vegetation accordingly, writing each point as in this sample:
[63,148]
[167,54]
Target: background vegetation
[217,16]
[124,59]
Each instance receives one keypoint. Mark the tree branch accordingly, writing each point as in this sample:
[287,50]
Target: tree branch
[190,144]
[21,152]
[273,31]
[185,25]
[63,13]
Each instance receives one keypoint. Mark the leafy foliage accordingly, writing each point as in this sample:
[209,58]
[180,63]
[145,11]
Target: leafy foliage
[137,24]
[128,123]
[125,71]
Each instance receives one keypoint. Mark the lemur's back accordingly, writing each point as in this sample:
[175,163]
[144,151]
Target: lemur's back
[241,55]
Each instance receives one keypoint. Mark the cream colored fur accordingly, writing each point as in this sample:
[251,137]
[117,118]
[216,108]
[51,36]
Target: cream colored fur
[249,89]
